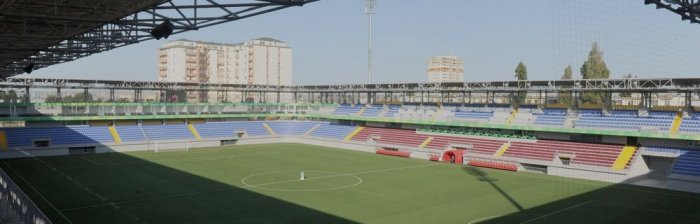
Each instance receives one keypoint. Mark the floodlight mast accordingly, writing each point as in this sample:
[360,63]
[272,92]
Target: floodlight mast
[369,10]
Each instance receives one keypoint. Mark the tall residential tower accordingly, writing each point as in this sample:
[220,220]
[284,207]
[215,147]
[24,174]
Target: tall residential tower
[445,69]
[263,61]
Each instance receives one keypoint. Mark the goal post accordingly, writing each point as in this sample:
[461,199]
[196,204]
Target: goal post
[159,146]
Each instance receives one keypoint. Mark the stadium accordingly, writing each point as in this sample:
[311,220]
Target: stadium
[449,152]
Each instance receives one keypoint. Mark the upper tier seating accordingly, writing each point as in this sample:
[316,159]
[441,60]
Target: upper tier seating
[662,114]
[168,132]
[550,117]
[332,131]
[347,109]
[61,135]
[372,110]
[416,112]
[625,113]
[623,120]
[551,111]
[291,127]
[555,120]
[229,129]
[471,113]
[691,124]
[393,109]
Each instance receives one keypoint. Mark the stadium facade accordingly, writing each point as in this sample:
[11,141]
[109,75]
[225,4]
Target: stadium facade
[479,124]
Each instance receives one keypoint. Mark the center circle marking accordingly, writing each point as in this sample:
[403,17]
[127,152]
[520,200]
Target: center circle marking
[328,174]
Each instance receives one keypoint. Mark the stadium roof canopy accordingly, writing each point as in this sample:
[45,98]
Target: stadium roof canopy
[39,33]
[687,9]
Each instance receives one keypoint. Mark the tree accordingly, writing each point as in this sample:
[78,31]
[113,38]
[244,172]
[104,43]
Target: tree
[594,68]
[51,99]
[79,98]
[565,96]
[76,98]
[10,96]
[521,74]
[568,73]
[521,71]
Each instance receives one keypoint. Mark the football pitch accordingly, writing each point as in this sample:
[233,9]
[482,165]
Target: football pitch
[263,184]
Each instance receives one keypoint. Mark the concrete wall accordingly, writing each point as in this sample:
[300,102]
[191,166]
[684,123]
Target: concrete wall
[14,153]
[664,142]
[615,140]
[373,124]
[683,185]
[586,174]
[558,136]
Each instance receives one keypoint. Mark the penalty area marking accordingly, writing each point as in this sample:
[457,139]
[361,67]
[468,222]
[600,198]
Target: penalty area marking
[476,221]
[358,181]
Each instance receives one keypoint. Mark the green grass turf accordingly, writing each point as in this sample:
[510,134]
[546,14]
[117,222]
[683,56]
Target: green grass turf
[342,186]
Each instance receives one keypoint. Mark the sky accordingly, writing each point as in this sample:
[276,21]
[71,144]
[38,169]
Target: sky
[329,40]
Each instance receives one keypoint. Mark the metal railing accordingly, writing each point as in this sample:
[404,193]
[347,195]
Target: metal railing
[15,206]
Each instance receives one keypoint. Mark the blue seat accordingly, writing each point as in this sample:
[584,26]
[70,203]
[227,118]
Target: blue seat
[332,131]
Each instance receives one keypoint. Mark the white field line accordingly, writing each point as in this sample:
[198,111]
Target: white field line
[496,216]
[79,185]
[90,161]
[556,212]
[211,157]
[484,218]
[607,185]
[644,209]
[338,175]
[237,188]
[37,192]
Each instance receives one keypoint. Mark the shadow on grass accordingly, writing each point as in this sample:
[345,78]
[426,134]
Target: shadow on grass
[483,176]
[619,203]
[84,189]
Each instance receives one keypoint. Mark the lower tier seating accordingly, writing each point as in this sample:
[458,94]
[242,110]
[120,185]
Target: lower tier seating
[332,131]
[61,135]
[230,128]
[393,153]
[688,163]
[401,137]
[545,150]
[603,155]
[168,132]
[494,165]
[583,153]
[291,127]
[131,133]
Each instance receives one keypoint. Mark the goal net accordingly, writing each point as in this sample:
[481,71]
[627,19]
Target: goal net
[158,146]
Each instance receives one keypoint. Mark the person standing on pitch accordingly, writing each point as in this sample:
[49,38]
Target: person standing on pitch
[301,175]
